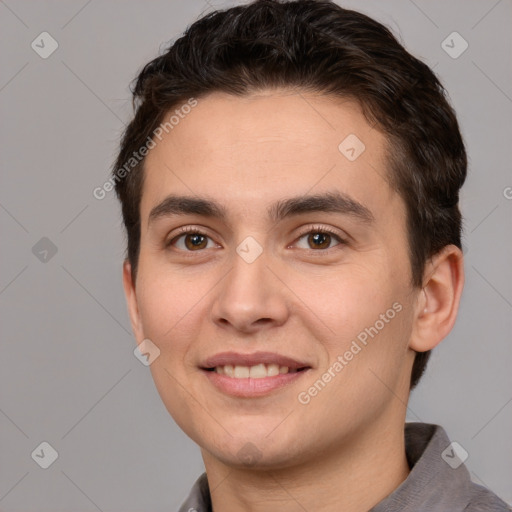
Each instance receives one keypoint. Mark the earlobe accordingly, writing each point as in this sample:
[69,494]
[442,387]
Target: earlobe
[438,302]
[131,301]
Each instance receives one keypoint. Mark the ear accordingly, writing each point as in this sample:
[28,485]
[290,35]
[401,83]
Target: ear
[131,300]
[438,302]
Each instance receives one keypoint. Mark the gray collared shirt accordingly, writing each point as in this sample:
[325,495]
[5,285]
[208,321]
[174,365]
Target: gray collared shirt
[438,481]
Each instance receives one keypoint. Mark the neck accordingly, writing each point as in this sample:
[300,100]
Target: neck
[353,478]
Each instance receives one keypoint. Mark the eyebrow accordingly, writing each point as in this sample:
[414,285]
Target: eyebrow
[330,202]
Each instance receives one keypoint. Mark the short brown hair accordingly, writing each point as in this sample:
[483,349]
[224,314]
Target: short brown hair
[318,46]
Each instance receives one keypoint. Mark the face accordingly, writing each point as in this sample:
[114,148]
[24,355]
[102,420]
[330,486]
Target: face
[284,311]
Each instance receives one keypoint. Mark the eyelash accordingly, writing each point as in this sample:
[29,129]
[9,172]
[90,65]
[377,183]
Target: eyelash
[310,230]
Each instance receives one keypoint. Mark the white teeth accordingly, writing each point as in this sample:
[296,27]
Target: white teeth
[258,371]
[272,370]
[241,372]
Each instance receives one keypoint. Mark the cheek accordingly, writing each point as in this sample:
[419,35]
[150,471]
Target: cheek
[366,367]
[358,314]
[168,306]
[170,310]
[344,300]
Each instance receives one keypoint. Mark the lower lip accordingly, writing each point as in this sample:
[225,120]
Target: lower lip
[249,388]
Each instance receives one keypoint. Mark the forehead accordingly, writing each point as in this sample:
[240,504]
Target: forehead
[251,151]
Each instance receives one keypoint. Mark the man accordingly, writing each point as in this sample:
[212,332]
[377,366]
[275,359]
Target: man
[289,186]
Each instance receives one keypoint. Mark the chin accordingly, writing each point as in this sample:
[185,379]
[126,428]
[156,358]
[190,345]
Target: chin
[257,452]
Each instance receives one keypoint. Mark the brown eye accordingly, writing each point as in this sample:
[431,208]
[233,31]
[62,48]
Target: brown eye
[319,240]
[191,241]
[195,241]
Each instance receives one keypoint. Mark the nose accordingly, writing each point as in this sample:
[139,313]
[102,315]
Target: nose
[251,297]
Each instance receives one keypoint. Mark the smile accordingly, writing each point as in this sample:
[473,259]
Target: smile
[258,371]
[237,381]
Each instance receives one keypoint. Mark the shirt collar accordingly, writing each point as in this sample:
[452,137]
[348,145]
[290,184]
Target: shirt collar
[438,480]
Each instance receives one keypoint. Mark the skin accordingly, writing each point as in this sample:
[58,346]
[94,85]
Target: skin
[344,449]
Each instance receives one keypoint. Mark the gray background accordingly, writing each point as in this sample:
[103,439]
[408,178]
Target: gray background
[68,375]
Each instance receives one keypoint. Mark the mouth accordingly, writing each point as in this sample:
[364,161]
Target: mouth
[252,375]
[258,371]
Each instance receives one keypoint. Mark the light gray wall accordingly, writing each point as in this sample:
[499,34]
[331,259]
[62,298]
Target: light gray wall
[67,371]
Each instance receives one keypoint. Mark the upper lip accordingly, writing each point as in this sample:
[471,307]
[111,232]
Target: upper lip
[236,359]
